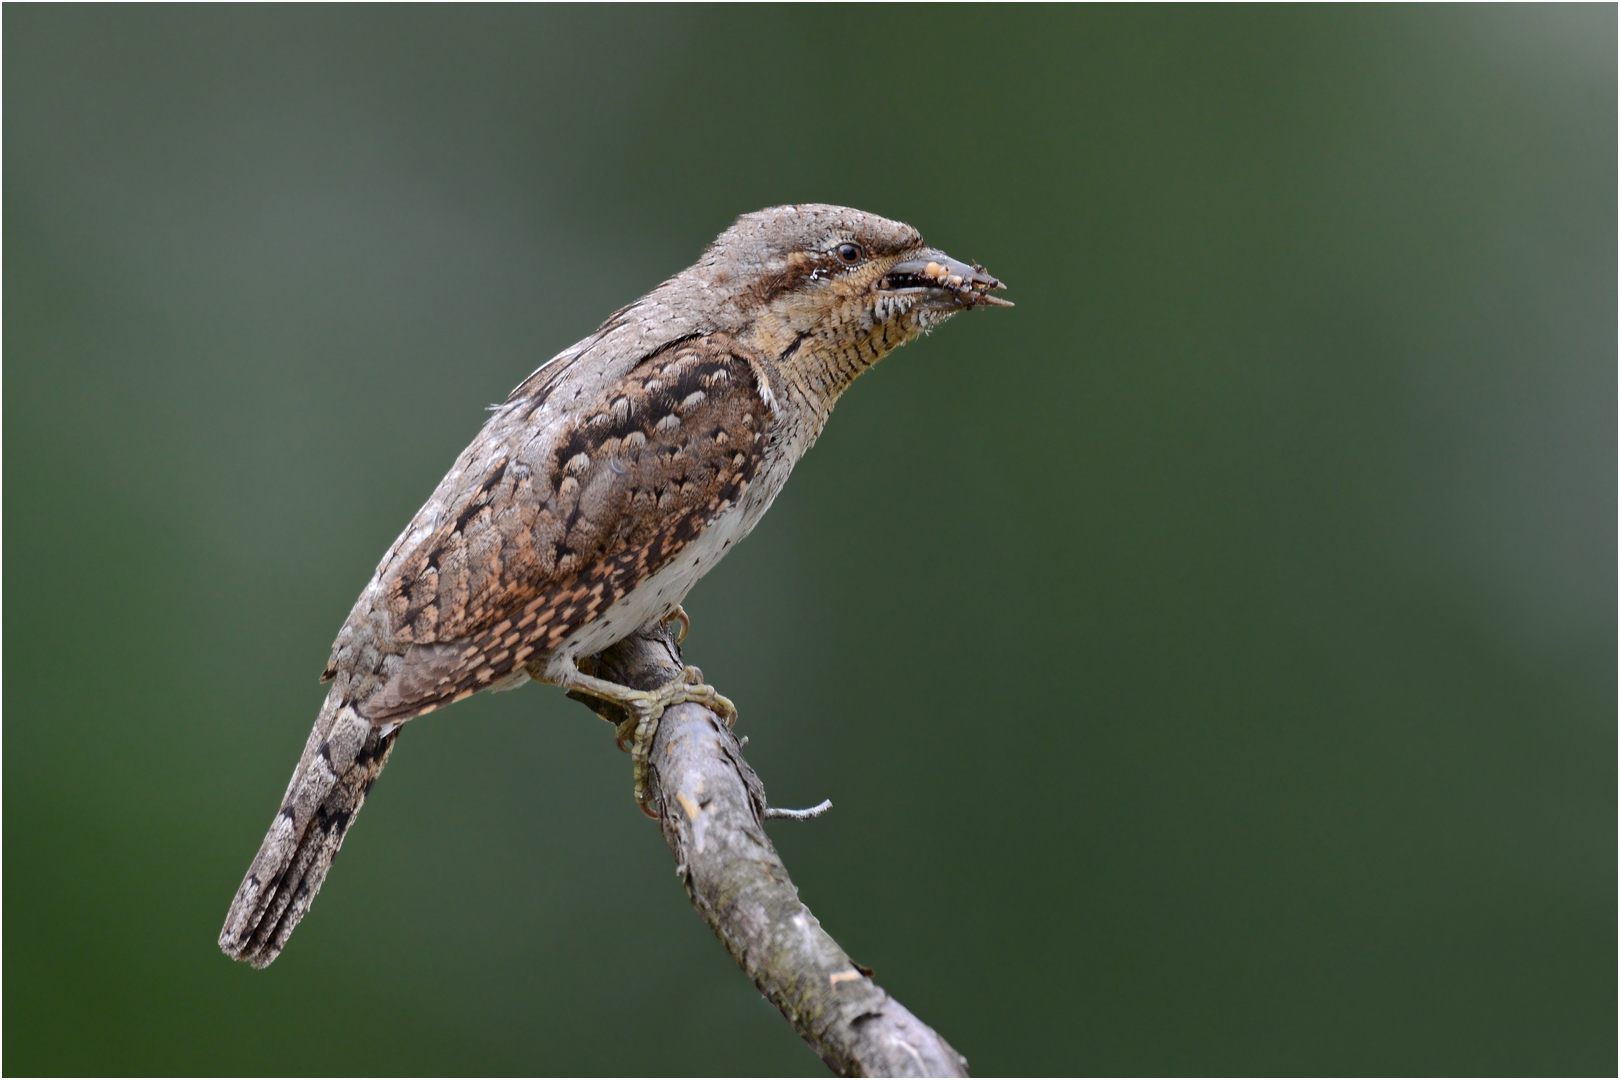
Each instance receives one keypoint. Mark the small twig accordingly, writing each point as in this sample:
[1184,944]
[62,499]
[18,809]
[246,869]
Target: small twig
[712,807]
[773,812]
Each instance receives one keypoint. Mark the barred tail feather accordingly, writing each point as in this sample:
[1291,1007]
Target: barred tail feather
[341,760]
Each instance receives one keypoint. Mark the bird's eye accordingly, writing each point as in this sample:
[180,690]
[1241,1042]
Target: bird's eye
[850,254]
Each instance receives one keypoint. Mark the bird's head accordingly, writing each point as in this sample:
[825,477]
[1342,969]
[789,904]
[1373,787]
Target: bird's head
[846,285]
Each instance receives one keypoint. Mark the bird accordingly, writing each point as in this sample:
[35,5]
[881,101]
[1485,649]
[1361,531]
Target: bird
[593,499]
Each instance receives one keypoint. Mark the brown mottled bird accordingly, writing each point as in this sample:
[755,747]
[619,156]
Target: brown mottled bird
[595,497]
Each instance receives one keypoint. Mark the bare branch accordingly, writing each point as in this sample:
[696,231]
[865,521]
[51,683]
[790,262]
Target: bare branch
[712,805]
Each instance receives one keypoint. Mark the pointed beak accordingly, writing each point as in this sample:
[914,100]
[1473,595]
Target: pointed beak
[944,281]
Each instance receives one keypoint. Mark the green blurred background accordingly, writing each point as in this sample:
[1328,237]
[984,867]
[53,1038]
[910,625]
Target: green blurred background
[1212,660]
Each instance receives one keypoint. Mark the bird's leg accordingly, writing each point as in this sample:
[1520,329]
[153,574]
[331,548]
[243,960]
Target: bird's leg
[645,708]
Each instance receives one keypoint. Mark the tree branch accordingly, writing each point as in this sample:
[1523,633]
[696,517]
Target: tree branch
[711,808]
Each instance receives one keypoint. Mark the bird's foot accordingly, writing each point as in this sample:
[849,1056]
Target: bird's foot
[646,708]
[679,615]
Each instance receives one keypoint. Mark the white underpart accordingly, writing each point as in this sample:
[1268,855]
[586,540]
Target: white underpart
[662,593]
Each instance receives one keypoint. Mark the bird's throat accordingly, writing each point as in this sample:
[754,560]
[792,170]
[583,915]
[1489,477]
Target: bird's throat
[817,361]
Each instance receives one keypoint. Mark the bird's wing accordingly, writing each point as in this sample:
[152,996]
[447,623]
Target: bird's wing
[536,549]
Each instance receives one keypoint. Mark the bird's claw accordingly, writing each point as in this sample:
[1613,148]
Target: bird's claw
[635,734]
[679,615]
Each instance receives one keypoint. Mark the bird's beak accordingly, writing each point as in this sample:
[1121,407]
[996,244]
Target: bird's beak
[943,281]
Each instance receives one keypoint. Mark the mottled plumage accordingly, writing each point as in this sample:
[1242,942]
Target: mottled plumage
[534,554]
[594,498]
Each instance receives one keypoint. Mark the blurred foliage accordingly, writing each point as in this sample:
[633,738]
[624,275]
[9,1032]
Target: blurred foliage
[1212,660]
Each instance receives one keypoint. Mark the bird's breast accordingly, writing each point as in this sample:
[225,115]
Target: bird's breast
[660,593]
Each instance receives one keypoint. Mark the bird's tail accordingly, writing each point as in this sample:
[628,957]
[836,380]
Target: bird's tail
[342,758]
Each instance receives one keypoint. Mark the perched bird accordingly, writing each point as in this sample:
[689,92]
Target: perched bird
[596,496]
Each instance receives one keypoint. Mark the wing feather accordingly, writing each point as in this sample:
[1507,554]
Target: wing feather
[538,548]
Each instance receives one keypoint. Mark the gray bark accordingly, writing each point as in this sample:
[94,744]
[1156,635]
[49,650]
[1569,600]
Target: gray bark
[712,805]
